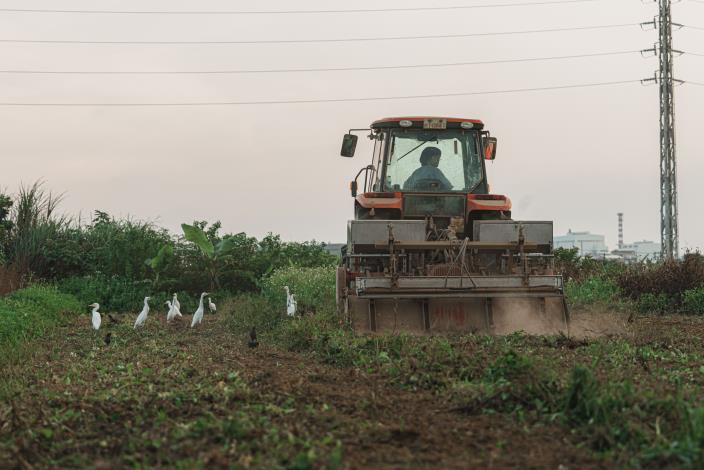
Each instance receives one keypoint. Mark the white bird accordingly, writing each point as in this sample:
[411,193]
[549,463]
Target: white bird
[170,315]
[198,316]
[96,316]
[143,314]
[176,306]
[211,306]
[291,303]
[292,307]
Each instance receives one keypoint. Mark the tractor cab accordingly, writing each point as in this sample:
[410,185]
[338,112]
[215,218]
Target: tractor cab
[425,167]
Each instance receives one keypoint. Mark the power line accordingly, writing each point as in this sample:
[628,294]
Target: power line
[694,83]
[311,41]
[693,27]
[327,69]
[293,12]
[331,100]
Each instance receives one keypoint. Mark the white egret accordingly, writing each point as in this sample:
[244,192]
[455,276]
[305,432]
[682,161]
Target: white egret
[291,303]
[96,316]
[170,315]
[143,314]
[211,306]
[198,316]
[292,307]
[176,306]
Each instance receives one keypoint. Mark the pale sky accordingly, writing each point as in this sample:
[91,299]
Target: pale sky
[575,156]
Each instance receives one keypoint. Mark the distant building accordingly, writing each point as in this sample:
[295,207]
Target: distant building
[587,244]
[644,250]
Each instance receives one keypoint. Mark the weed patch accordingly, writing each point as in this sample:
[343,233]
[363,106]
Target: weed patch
[30,312]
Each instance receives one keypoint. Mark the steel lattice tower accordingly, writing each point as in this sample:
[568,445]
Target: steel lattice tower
[668,162]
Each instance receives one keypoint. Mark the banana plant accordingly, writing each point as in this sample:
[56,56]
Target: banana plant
[215,254]
[160,261]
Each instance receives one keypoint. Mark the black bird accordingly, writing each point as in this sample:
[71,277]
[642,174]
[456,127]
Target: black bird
[112,319]
[253,343]
[108,337]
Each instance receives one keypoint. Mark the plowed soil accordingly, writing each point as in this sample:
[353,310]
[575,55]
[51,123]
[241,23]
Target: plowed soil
[170,396]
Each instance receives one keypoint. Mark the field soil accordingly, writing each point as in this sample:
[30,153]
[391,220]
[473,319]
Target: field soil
[172,396]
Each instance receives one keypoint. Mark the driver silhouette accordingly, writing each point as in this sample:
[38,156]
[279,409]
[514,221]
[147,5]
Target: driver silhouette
[428,177]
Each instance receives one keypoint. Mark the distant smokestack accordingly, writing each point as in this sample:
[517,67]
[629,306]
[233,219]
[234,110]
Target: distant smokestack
[620,230]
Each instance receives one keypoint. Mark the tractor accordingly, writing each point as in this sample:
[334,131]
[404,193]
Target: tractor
[431,249]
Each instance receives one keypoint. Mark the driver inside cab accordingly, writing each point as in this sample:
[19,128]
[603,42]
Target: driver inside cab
[428,177]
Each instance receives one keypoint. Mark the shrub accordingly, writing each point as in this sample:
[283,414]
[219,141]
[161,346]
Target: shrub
[670,278]
[314,288]
[115,294]
[693,301]
[120,294]
[655,303]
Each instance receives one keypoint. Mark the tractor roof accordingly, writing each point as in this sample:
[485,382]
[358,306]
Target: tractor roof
[418,122]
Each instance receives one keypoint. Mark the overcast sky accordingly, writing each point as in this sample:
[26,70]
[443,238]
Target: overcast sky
[575,156]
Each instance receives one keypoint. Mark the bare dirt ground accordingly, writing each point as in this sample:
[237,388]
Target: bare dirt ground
[169,396]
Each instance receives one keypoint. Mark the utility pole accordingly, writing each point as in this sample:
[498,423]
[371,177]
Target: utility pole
[669,229]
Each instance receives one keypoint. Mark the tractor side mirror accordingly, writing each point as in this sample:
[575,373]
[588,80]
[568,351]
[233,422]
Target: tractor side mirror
[349,145]
[490,148]
[353,188]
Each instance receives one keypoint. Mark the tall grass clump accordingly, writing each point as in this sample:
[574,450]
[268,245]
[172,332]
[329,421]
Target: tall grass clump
[36,230]
[314,288]
[663,287]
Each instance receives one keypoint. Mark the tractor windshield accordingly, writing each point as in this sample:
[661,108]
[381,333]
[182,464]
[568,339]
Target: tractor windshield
[435,161]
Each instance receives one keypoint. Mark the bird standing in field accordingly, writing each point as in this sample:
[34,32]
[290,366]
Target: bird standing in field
[211,306]
[142,317]
[107,339]
[198,315]
[176,306]
[112,319]
[253,343]
[170,315]
[96,316]
[291,303]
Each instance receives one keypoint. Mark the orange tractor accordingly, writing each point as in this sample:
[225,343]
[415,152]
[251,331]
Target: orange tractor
[431,250]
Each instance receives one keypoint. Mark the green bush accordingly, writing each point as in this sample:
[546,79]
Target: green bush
[119,294]
[655,303]
[592,290]
[114,294]
[693,301]
[28,313]
[314,288]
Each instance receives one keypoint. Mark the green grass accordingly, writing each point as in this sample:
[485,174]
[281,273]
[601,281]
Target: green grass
[596,290]
[31,312]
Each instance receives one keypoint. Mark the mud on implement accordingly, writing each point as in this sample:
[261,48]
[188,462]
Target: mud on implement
[431,250]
